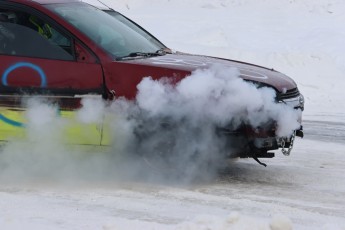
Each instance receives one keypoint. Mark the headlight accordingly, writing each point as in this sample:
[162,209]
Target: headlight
[301,100]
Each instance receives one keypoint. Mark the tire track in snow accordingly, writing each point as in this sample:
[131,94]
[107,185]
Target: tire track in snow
[328,131]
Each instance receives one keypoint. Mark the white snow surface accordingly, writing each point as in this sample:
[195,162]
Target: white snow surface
[304,39]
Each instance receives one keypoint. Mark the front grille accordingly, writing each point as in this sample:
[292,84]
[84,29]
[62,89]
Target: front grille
[291,93]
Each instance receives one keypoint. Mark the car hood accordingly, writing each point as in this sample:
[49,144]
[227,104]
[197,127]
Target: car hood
[188,62]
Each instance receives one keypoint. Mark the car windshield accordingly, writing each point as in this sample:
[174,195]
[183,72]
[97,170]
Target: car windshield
[121,40]
[134,26]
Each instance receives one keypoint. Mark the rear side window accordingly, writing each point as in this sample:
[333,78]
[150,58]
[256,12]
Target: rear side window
[23,34]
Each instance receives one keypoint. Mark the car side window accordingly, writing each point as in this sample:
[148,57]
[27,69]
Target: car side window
[22,34]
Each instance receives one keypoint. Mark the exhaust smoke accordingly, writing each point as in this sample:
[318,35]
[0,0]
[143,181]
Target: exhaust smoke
[168,132]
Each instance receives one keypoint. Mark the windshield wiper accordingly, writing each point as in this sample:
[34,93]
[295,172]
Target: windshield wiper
[159,52]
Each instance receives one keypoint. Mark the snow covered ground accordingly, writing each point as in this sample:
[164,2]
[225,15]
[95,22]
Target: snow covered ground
[303,39]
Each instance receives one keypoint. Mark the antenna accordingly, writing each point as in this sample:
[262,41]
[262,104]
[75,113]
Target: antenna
[105,5]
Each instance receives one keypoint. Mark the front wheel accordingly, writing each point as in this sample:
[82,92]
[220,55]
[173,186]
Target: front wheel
[179,151]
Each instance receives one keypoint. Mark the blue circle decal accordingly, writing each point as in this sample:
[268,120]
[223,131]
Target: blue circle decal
[25,64]
[10,121]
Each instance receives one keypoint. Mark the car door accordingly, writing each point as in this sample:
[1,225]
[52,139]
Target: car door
[39,57]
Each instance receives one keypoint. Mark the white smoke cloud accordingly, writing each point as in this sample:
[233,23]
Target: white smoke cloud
[42,121]
[169,129]
[176,123]
[92,110]
[216,95]
[36,154]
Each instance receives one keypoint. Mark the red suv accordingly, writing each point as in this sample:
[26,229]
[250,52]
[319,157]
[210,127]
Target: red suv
[66,49]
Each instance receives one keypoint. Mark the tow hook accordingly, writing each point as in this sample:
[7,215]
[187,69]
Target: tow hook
[287,151]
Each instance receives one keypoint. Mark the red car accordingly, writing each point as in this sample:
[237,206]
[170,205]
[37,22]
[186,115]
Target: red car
[64,49]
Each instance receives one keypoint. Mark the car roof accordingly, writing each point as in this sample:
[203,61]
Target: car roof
[95,3]
[42,2]
[54,1]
